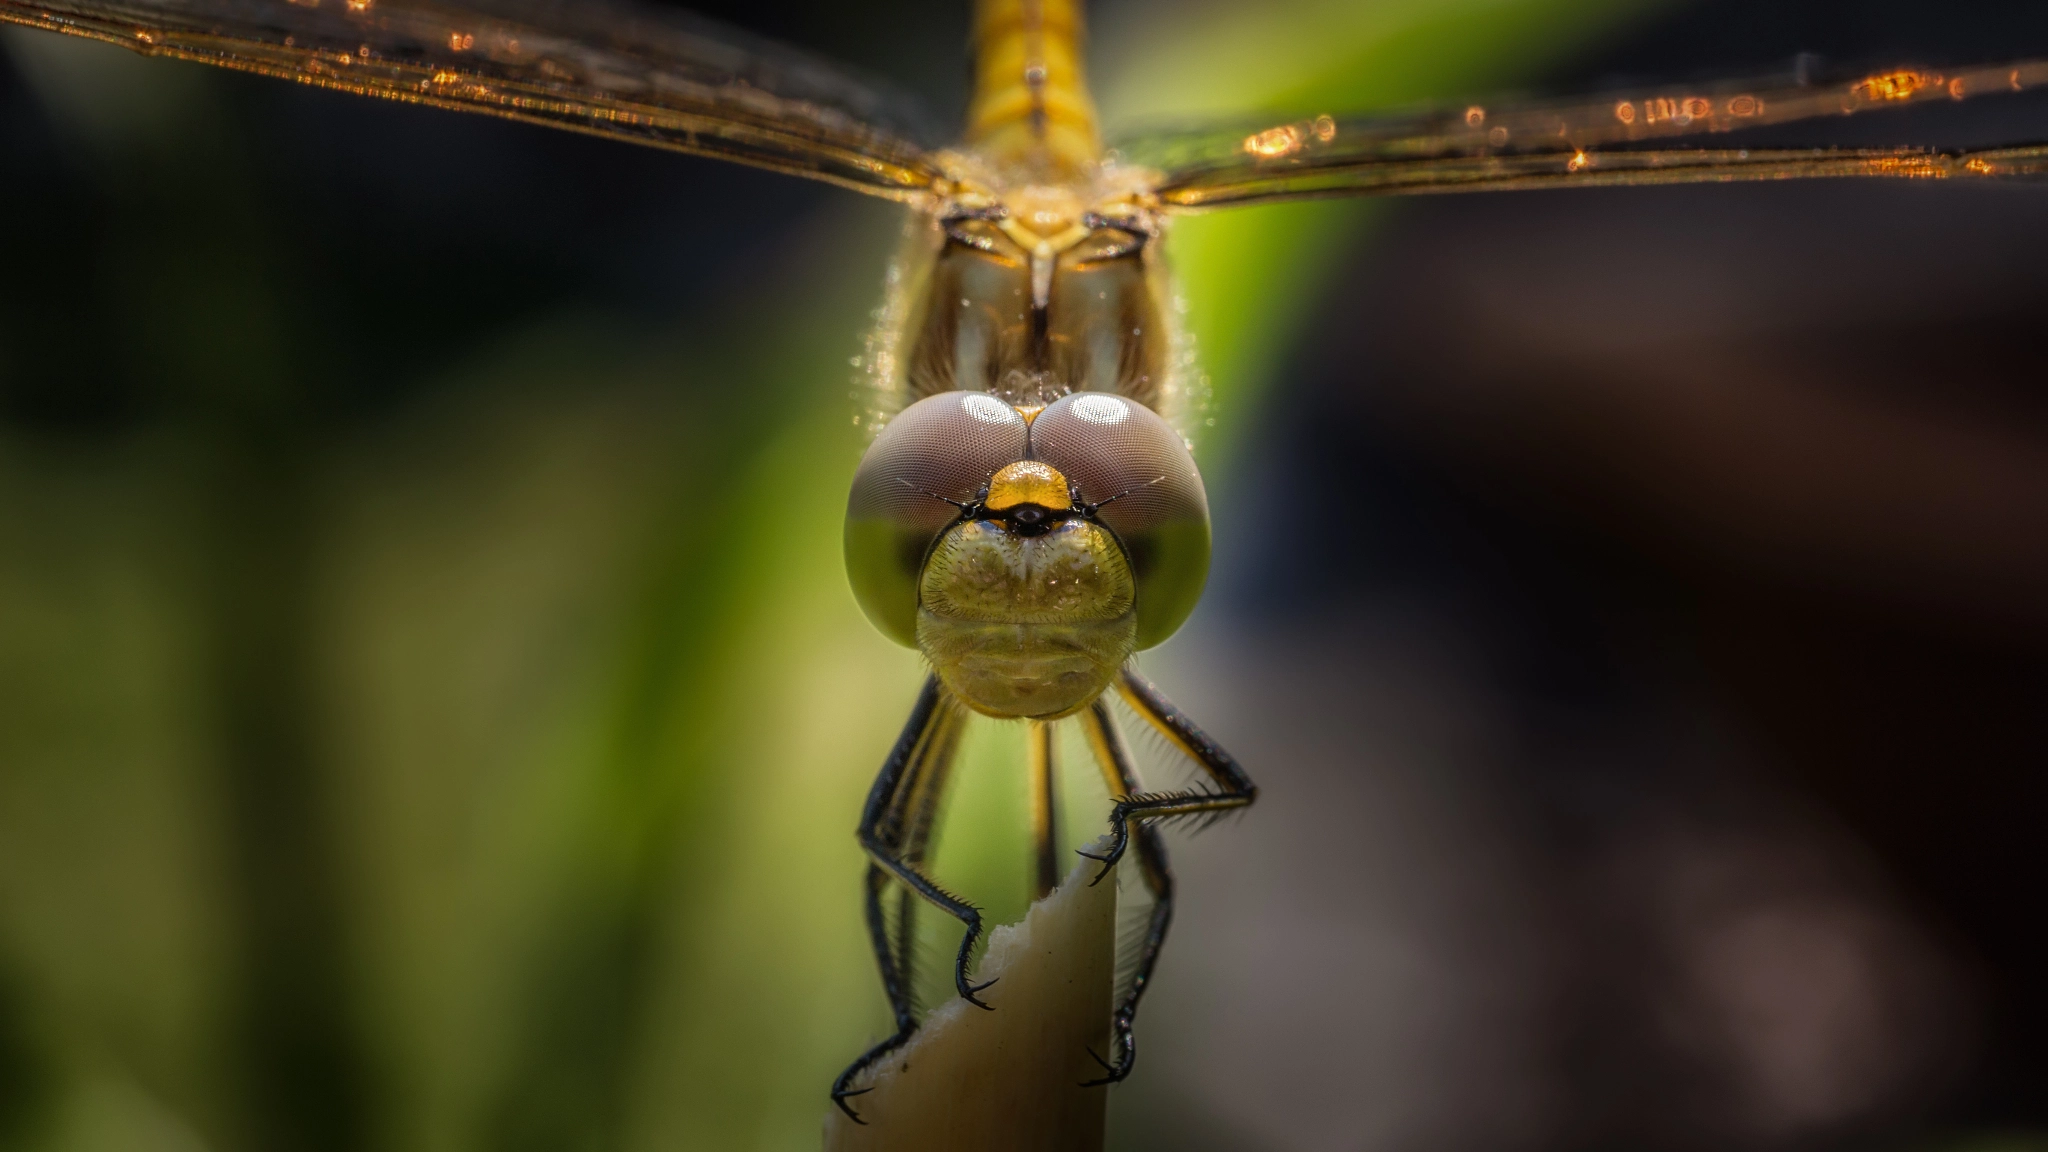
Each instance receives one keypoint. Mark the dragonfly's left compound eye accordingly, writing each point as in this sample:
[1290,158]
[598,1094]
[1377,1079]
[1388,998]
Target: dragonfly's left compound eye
[1137,472]
[942,448]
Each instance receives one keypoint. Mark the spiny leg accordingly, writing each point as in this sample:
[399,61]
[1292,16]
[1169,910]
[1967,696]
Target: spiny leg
[1234,789]
[906,943]
[902,775]
[922,804]
[1044,808]
[901,856]
[1121,775]
[919,801]
[895,828]
[895,982]
[919,804]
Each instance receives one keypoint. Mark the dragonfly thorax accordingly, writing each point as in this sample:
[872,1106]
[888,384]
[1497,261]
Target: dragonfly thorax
[1039,290]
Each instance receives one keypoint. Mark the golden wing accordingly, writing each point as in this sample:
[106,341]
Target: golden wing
[1673,136]
[657,78]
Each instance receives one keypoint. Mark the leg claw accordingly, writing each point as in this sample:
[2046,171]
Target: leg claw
[1115,1075]
[1107,860]
[967,994]
[840,1099]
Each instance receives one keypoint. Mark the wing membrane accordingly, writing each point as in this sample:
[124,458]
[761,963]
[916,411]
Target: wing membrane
[1669,136]
[592,66]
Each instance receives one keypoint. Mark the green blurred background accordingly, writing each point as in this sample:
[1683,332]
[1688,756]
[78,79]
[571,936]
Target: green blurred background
[432,715]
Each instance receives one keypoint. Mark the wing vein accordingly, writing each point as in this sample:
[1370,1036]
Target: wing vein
[598,69]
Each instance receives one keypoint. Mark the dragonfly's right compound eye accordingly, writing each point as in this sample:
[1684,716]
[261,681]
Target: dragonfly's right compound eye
[1137,471]
[941,449]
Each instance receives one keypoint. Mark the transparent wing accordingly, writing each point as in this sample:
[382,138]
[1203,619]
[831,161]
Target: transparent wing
[596,66]
[1677,135]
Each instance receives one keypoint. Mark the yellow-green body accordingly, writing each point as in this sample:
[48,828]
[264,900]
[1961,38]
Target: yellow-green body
[1035,276]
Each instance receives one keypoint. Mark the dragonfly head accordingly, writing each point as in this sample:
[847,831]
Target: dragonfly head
[1027,553]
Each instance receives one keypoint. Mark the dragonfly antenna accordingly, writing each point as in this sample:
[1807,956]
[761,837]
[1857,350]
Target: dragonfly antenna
[1127,492]
[962,505]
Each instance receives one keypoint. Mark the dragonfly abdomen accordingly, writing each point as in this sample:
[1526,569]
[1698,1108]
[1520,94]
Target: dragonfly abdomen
[1031,105]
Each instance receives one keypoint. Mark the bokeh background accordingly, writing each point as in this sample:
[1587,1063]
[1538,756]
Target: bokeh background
[432,716]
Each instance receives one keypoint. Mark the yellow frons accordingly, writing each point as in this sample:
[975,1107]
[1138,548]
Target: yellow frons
[1028,482]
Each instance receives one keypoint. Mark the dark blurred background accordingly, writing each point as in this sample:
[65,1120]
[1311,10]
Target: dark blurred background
[431,715]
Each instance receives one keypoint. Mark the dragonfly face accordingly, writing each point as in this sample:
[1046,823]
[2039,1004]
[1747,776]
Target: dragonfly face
[1027,551]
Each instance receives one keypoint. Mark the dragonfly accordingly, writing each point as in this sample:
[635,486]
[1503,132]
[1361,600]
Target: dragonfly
[1029,515]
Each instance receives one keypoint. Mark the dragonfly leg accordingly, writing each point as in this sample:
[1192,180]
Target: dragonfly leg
[1044,809]
[1121,775]
[895,827]
[895,982]
[1233,789]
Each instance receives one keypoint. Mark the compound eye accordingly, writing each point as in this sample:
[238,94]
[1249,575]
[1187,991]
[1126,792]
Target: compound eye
[941,448]
[1132,465]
